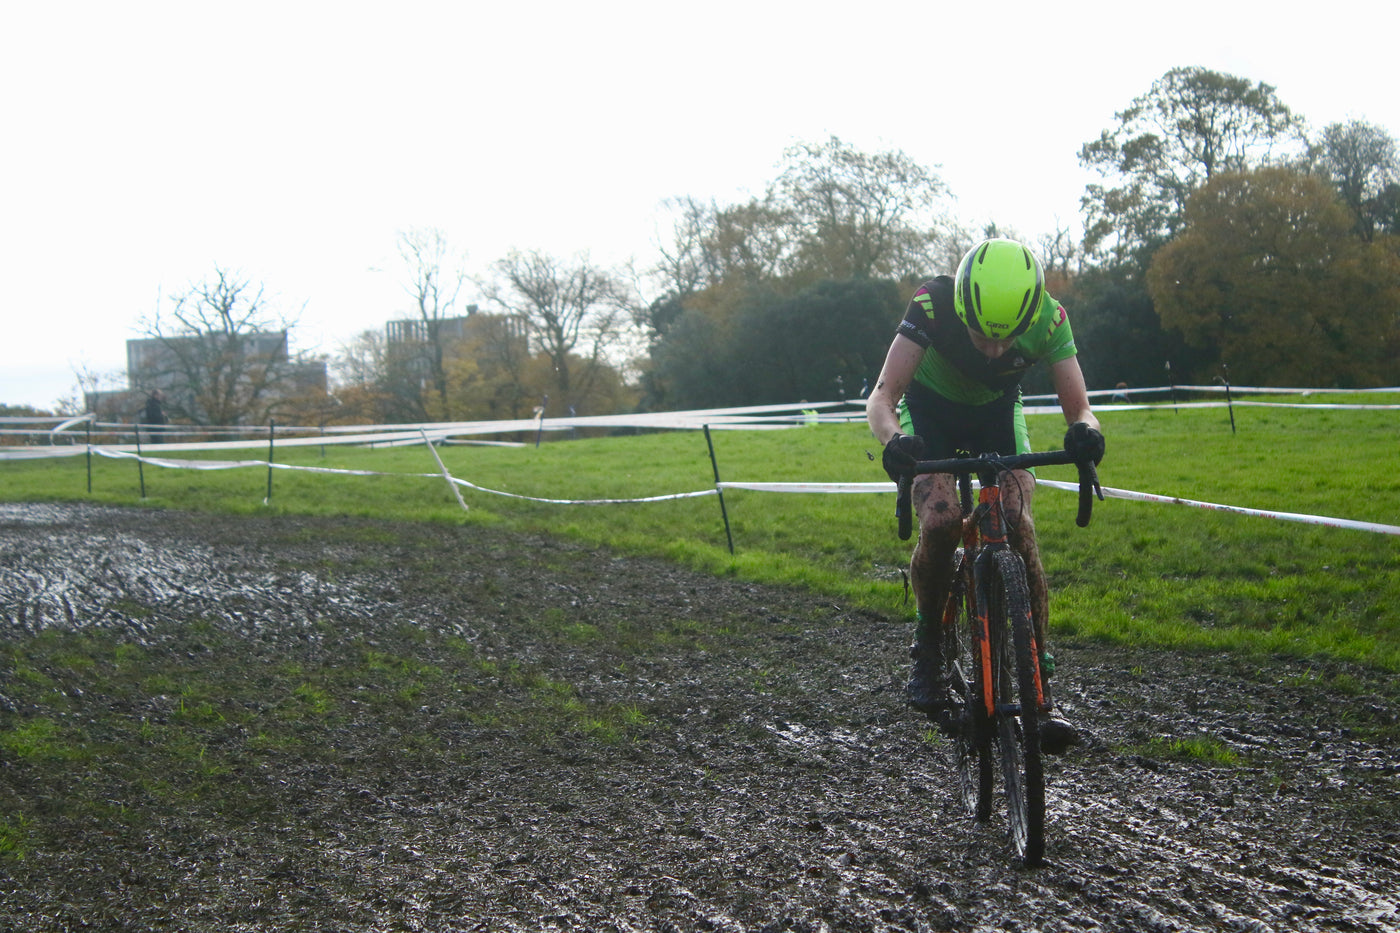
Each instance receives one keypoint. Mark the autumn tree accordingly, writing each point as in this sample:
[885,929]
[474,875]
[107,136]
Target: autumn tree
[1267,277]
[1190,126]
[857,214]
[833,212]
[710,244]
[491,373]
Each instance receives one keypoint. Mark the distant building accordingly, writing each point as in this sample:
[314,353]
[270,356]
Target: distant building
[449,329]
[260,368]
[409,340]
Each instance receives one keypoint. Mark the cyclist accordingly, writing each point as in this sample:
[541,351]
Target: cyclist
[951,384]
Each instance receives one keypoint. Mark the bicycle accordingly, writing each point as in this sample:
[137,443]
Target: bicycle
[992,662]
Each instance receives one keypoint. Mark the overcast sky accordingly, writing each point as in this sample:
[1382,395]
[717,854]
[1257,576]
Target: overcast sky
[146,144]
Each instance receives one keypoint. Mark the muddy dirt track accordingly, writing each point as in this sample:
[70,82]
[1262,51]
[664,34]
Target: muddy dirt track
[408,727]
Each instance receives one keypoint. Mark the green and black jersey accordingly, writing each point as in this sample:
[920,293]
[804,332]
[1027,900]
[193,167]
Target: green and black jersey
[955,369]
[960,400]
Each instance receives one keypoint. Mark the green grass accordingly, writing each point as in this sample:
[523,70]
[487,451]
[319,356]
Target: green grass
[1142,573]
[208,730]
[1202,749]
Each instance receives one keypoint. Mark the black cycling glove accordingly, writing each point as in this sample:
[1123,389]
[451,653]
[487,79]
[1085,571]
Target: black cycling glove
[1084,443]
[901,453]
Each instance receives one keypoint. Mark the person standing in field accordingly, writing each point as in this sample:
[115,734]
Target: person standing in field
[153,415]
[951,385]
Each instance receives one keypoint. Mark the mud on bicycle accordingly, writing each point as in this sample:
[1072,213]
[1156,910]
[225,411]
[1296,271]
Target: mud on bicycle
[990,651]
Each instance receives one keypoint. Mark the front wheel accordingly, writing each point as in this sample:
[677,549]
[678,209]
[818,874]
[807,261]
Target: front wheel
[972,730]
[1017,705]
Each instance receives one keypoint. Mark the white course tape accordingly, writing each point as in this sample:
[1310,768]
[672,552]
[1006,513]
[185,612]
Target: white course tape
[811,487]
[511,495]
[169,463]
[877,487]
[1239,510]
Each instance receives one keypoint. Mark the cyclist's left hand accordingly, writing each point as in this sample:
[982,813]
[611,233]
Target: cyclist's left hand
[1084,442]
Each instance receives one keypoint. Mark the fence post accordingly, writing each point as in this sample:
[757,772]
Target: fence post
[1229,402]
[443,467]
[539,428]
[271,431]
[87,436]
[140,464]
[714,464]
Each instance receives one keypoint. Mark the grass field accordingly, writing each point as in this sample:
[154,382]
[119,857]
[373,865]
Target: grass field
[1165,575]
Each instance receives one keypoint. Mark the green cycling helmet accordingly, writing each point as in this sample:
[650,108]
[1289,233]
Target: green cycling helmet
[998,288]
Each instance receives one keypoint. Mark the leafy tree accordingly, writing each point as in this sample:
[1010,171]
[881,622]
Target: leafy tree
[691,365]
[1362,161]
[779,348]
[1117,330]
[857,214]
[833,214]
[1190,126]
[1267,277]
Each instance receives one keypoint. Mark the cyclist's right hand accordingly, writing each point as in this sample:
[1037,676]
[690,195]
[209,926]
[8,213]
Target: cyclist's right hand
[901,453]
[1084,443]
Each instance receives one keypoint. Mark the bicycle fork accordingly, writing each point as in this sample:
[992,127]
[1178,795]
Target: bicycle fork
[986,523]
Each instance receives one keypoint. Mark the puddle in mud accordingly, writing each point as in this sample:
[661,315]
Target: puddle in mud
[77,567]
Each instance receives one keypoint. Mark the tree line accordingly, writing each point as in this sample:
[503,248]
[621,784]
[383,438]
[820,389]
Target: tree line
[1221,237]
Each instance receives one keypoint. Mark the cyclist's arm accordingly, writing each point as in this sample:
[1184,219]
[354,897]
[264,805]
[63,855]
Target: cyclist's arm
[1068,379]
[881,408]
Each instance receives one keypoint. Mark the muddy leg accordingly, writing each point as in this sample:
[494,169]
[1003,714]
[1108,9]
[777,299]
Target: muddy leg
[940,522]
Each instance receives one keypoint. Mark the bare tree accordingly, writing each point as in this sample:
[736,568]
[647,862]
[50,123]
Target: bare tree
[364,383]
[1059,253]
[90,386]
[575,312]
[219,353]
[436,279]
[689,262]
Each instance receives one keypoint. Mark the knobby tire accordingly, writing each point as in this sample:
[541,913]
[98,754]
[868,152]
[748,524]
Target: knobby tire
[972,733]
[1017,704]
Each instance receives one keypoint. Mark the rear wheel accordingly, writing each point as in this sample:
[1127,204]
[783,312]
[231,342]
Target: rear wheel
[1017,706]
[972,733]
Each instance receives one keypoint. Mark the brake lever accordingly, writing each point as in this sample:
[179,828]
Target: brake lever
[1088,488]
[902,506]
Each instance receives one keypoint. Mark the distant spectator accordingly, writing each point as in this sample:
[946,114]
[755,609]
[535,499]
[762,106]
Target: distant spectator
[153,416]
[1120,392]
